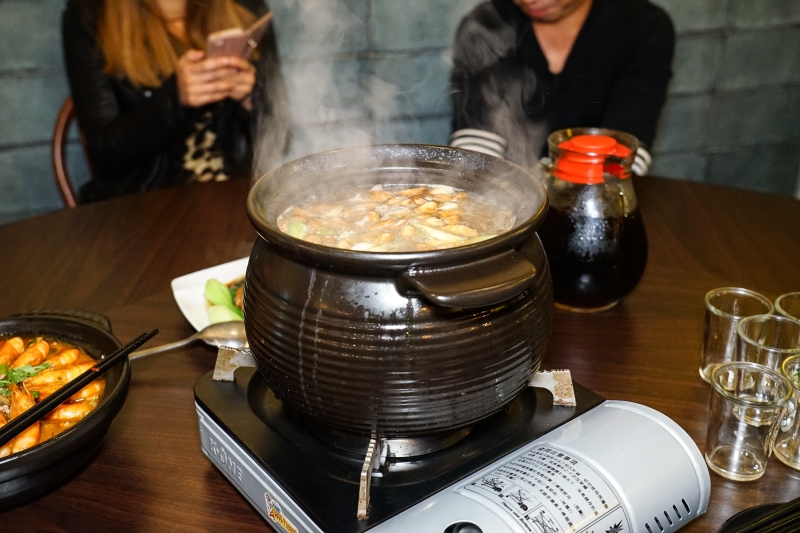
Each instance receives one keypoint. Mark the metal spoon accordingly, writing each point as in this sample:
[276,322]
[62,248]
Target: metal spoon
[220,334]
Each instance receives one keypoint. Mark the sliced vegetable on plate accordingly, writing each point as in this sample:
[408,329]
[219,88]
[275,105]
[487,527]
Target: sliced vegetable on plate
[225,301]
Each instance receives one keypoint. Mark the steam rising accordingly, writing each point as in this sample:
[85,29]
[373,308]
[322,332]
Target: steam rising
[507,94]
[332,103]
[335,105]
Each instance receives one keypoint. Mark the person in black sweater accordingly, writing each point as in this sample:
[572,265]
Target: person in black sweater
[152,109]
[525,68]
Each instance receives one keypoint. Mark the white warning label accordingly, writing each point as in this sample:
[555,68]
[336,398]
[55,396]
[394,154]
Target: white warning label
[548,490]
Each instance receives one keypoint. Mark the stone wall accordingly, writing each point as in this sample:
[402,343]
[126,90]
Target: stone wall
[362,71]
[733,114]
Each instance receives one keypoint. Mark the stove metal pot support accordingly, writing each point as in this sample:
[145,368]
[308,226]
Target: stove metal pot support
[602,466]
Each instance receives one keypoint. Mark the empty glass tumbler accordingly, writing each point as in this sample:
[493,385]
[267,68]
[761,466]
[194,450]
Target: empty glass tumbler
[787,441]
[747,405]
[768,340]
[788,305]
[725,308]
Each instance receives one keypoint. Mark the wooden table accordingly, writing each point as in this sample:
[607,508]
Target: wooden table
[118,257]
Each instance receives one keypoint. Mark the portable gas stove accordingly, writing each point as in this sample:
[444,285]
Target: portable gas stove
[602,466]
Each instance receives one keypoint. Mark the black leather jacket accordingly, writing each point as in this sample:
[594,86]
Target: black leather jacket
[135,137]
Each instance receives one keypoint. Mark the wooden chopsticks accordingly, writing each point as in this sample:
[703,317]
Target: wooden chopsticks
[784,518]
[19,424]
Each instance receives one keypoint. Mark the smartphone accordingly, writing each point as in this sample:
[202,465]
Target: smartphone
[236,41]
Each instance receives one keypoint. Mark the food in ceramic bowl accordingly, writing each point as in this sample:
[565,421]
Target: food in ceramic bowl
[32,471]
[33,367]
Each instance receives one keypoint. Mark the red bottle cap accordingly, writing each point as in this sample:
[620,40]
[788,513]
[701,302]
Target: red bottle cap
[584,158]
[595,144]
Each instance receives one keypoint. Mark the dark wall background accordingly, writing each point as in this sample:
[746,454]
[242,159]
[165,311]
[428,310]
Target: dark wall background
[379,74]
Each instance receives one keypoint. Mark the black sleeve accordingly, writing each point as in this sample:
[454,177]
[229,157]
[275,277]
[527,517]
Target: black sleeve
[640,87]
[115,139]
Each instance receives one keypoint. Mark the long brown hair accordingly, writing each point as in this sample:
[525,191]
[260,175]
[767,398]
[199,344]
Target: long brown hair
[135,41]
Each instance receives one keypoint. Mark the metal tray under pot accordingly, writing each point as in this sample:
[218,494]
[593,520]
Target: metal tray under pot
[398,344]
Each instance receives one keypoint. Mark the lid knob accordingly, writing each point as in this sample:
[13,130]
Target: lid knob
[594,144]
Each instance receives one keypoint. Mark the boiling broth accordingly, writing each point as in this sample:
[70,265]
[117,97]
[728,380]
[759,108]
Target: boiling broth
[387,218]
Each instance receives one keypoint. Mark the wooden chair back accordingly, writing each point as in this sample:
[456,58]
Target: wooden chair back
[63,122]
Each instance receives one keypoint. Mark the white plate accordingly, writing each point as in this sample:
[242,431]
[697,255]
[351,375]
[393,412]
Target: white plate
[188,290]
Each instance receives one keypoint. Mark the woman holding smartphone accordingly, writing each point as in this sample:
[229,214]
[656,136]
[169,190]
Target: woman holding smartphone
[153,110]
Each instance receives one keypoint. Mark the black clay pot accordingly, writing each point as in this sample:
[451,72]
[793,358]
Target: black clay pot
[32,472]
[402,344]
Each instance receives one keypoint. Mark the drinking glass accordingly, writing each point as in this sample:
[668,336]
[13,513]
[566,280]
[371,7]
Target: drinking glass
[768,340]
[787,442]
[746,407]
[788,305]
[725,307]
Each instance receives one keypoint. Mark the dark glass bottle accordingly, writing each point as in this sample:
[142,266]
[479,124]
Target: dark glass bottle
[594,235]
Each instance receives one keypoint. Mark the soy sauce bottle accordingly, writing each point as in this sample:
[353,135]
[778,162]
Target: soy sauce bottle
[593,235]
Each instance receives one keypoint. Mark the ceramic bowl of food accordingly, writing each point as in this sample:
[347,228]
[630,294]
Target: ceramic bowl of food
[66,441]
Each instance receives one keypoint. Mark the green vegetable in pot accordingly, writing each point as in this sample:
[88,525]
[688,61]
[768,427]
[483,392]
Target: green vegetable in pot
[437,234]
[297,229]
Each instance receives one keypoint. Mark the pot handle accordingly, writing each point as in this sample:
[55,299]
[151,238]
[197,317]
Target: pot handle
[475,284]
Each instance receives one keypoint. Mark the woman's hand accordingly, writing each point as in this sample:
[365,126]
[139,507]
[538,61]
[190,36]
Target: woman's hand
[204,80]
[244,78]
